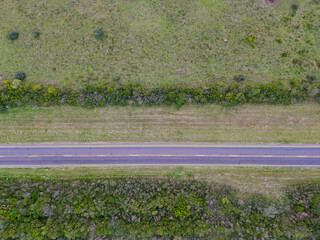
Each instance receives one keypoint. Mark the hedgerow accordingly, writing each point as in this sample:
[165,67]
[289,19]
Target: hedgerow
[19,93]
[152,209]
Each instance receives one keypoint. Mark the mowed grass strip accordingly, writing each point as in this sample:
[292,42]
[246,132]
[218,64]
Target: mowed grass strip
[192,123]
[267,181]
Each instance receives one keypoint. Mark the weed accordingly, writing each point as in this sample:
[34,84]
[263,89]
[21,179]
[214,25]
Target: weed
[252,40]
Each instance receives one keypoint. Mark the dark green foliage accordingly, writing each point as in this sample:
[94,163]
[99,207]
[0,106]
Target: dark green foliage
[239,78]
[116,78]
[315,205]
[312,78]
[3,109]
[20,76]
[295,7]
[99,34]
[13,35]
[148,208]
[36,34]
[16,93]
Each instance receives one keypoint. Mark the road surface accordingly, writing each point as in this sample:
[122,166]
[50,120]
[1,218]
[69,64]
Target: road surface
[37,155]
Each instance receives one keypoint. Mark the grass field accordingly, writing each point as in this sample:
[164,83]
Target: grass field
[191,123]
[267,181]
[192,42]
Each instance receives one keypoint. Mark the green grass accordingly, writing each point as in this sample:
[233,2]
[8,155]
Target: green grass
[190,123]
[192,42]
[267,181]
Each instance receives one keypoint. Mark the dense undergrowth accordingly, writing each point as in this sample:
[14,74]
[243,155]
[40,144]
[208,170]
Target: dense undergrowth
[20,93]
[195,42]
[153,209]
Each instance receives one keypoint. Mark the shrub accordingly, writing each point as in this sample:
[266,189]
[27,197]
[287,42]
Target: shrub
[94,94]
[149,208]
[20,76]
[116,78]
[99,34]
[3,109]
[295,7]
[293,81]
[13,35]
[239,78]
[36,34]
[312,78]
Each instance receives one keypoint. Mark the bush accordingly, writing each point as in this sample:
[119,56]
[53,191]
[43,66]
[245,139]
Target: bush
[20,76]
[13,35]
[3,109]
[239,78]
[19,93]
[116,78]
[312,78]
[295,7]
[148,208]
[99,34]
[36,34]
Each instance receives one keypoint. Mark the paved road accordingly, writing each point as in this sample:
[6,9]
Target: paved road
[163,154]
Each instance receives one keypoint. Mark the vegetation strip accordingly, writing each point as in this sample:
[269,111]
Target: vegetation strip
[18,93]
[148,208]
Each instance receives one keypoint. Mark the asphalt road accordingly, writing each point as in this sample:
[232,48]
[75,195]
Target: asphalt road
[41,155]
